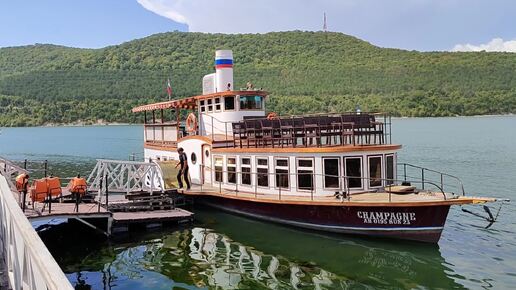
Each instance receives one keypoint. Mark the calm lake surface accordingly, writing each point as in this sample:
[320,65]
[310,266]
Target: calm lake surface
[229,252]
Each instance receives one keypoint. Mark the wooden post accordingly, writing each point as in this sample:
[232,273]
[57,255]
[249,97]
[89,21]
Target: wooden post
[145,126]
[178,118]
[107,191]
[162,128]
[100,193]
[153,127]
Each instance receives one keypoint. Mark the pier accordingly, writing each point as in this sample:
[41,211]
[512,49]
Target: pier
[121,195]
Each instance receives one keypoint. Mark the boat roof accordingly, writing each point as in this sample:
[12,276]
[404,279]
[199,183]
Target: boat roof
[191,102]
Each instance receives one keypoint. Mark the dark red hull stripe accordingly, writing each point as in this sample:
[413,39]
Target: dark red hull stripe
[426,224]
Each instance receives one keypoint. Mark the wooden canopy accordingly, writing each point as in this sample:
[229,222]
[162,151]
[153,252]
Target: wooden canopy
[188,103]
[191,102]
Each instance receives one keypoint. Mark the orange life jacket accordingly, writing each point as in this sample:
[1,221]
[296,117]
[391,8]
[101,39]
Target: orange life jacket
[43,187]
[78,185]
[38,190]
[54,186]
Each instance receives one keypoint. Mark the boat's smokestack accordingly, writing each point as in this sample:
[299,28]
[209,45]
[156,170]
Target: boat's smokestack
[224,70]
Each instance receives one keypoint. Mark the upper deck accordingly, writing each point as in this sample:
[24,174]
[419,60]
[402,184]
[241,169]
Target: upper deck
[231,119]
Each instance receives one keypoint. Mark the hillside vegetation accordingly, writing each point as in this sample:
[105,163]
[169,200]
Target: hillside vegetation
[305,72]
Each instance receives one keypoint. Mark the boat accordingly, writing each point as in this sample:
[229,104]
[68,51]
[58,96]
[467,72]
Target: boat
[335,172]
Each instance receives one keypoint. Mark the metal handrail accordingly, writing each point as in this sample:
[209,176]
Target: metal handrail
[226,124]
[343,183]
[442,175]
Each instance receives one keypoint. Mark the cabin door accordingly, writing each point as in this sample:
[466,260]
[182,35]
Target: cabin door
[206,164]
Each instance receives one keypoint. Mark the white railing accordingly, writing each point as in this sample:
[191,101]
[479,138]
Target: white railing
[28,262]
[10,170]
[125,176]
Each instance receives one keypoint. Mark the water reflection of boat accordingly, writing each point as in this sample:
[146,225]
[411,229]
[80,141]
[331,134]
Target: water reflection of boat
[229,252]
[352,262]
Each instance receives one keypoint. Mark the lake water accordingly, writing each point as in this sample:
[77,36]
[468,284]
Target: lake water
[226,251]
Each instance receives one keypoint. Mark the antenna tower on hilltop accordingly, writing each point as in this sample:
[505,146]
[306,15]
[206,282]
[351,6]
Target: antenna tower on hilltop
[325,26]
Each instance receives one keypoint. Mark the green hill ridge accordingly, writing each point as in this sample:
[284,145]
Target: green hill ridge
[305,72]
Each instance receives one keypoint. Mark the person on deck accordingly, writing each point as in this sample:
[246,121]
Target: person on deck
[22,184]
[183,161]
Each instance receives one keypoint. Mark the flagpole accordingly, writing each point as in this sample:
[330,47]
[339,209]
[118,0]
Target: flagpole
[169,89]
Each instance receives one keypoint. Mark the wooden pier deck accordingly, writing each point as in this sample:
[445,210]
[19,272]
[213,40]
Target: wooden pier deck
[66,210]
[121,214]
[176,214]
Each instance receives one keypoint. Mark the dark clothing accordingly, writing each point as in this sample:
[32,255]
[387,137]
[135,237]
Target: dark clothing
[184,173]
[183,160]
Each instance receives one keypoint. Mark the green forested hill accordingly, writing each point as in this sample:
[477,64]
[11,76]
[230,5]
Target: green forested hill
[304,71]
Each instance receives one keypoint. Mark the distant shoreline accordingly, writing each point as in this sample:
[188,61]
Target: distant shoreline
[459,116]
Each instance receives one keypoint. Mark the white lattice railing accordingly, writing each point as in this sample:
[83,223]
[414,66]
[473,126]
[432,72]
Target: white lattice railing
[125,176]
[28,262]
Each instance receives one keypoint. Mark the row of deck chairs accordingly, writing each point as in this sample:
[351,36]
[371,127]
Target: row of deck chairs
[308,131]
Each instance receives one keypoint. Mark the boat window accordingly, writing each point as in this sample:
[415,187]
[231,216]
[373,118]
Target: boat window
[389,169]
[245,169]
[217,105]
[210,106]
[282,162]
[263,172]
[229,103]
[331,172]
[232,170]
[251,103]
[218,169]
[282,177]
[305,163]
[305,174]
[201,105]
[353,169]
[375,171]
[193,158]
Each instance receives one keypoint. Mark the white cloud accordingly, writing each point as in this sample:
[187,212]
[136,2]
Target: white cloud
[245,16]
[162,8]
[496,44]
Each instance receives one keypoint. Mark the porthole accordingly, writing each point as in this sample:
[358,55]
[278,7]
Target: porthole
[193,157]
[207,153]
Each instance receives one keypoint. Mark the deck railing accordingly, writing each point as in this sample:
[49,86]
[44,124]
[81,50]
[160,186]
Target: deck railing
[294,131]
[428,176]
[342,192]
[212,126]
[29,263]
[313,130]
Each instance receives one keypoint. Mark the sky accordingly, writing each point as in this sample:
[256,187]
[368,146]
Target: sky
[425,25]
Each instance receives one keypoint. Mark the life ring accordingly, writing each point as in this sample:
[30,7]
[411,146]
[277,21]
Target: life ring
[191,122]
[272,116]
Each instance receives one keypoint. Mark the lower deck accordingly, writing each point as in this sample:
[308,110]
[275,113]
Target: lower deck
[421,198]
